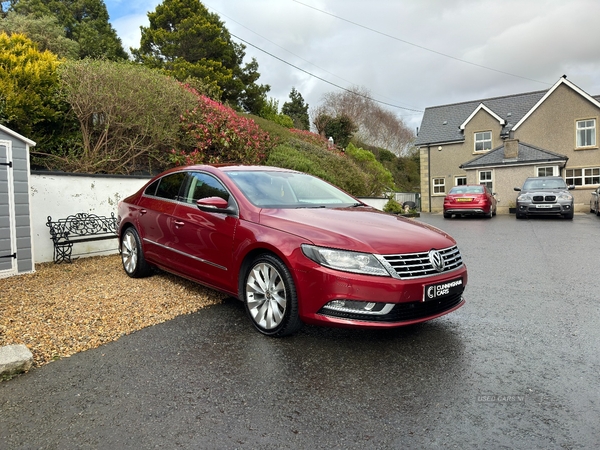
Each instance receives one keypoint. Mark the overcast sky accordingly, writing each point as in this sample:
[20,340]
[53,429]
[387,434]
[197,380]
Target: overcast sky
[408,53]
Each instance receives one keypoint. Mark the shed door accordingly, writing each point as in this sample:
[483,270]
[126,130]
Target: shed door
[7,227]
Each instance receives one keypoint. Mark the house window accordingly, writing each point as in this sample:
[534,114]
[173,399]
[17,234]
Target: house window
[583,177]
[460,181]
[483,141]
[547,171]
[485,178]
[586,133]
[439,185]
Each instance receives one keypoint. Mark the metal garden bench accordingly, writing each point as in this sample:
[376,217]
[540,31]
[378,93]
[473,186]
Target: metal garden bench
[81,227]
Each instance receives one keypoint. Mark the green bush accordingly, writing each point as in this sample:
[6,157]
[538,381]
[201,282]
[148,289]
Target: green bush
[331,166]
[380,179]
[392,206]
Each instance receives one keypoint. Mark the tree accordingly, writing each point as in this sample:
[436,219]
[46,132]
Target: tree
[84,21]
[29,101]
[128,114]
[340,128]
[376,126]
[297,110]
[44,31]
[187,41]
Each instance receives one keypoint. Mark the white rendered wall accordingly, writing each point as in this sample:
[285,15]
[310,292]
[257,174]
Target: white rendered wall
[59,196]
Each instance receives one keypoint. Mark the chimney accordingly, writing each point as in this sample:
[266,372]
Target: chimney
[511,149]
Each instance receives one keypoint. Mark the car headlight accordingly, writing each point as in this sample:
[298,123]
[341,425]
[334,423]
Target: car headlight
[566,197]
[346,261]
[524,198]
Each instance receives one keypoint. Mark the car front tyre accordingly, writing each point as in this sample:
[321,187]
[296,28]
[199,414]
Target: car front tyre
[132,256]
[270,297]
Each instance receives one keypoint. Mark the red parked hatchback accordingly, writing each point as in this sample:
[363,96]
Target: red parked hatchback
[470,200]
[292,247]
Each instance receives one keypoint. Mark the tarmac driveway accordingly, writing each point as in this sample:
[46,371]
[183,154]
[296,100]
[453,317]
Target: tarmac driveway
[516,367]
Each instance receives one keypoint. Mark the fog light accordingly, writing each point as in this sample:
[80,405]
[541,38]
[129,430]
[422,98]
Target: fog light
[354,307]
[336,304]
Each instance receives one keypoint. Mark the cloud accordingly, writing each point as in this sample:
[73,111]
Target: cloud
[407,53]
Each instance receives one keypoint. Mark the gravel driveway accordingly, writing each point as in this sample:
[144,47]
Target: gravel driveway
[62,309]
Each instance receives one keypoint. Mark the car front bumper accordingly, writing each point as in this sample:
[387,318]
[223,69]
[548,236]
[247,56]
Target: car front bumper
[400,302]
[544,208]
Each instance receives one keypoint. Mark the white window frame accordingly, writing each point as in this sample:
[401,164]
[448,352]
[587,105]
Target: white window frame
[583,176]
[481,137]
[438,186]
[463,178]
[489,182]
[542,171]
[584,130]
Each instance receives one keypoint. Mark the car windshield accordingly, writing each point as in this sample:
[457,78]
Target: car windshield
[271,189]
[544,183]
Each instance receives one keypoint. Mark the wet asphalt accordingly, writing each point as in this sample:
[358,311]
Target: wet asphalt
[516,367]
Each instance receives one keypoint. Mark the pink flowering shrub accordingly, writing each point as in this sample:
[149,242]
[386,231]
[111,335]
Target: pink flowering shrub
[219,135]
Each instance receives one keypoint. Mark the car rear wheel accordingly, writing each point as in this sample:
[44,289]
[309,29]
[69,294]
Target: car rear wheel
[134,263]
[270,297]
[447,216]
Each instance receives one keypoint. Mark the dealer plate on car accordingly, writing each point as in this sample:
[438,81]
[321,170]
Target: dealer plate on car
[543,206]
[442,290]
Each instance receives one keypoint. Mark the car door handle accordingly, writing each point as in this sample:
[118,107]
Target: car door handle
[143,211]
[179,223]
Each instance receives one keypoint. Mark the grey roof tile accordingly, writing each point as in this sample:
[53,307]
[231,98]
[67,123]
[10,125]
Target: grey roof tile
[528,154]
[441,124]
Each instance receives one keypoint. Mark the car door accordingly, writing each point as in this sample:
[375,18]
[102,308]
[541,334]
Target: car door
[204,240]
[156,220]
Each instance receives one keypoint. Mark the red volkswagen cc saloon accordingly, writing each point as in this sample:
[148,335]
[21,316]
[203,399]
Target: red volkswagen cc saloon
[295,249]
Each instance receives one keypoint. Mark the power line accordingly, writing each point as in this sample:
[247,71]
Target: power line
[323,79]
[298,68]
[419,46]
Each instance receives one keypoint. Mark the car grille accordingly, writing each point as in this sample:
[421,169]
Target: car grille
[547,198]
[416,265]
[403,312]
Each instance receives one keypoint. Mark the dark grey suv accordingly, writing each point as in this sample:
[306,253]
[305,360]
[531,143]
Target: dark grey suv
[543,196]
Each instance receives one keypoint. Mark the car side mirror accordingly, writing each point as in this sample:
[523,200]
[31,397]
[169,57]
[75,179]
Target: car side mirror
[214,204]
[518,189]
[571,187]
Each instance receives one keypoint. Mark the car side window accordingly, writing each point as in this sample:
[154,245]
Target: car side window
[170,185]
[202,185]
[151,190]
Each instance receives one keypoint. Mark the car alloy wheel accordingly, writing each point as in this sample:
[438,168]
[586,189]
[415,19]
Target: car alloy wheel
[270,297]
[134,263]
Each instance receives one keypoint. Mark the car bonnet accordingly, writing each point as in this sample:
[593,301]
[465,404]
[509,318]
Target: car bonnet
[361,229]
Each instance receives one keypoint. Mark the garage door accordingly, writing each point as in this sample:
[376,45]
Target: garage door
[7,227]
